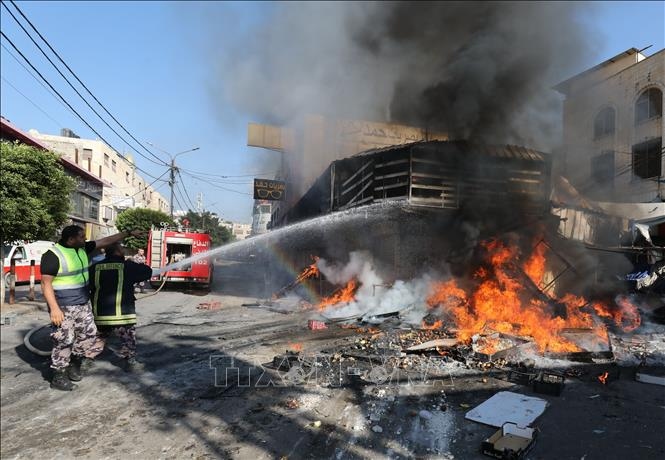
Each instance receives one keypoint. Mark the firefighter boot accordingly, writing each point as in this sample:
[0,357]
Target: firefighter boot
[61,382]
[74,369]
[86,365]
[132,365]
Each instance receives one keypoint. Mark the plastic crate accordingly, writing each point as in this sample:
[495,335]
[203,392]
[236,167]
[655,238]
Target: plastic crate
[549,383]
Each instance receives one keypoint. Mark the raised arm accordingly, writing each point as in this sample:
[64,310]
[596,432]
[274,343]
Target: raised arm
[109,240]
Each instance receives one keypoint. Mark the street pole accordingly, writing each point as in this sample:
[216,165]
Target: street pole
[173,168]
[172,184]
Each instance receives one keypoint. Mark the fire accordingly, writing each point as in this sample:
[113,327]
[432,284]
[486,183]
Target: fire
[534,267]
[342,295]
[626,316]
[309,272]
[294,347]
[501,302]
[438,324]
[603,377]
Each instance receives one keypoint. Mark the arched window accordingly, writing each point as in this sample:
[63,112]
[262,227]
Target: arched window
[649,105]
[603,124]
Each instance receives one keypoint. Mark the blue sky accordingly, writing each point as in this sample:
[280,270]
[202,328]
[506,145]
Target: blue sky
[152,65]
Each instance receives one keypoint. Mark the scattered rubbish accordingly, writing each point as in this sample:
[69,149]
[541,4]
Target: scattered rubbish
[520,378]
[510,442]
[599,431]
[594,396]
[465,406]
[315,325]
[433,344]
[427,415]
[210,305]
[8,319]
[316,424]
[377,429]
[291,403]
[653,376]
[549,383]
[506,406]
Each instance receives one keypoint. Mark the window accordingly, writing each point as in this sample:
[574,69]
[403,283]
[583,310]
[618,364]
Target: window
[603,124]
[649,105]
[602,168]
[106,160]
[127,177]
[647,158]
[87,154]
[113,165]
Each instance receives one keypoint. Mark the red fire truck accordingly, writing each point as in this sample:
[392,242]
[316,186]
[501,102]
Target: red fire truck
[169,246]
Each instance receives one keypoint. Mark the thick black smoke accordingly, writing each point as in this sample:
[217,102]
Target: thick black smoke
[481,70]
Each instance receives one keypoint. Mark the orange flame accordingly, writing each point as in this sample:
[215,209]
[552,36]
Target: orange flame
[603,377]
[309,272]
[438,324]
[626,316]
[294,346]
[501,302]
[342,295]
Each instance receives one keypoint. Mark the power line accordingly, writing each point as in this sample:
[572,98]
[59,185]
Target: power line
[67,80]
[48,90]
[221,187]
[184,189]
[63,99]
[33,103]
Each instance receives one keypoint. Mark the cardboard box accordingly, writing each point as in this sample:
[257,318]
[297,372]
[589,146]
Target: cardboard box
[510,442]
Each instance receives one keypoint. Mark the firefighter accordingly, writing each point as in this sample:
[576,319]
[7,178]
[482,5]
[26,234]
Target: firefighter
[65,277]
[113,301]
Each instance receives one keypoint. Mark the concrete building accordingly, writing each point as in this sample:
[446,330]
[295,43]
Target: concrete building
[613,129]
[238,230]
[85,199]
[127,188]
[308,147]
[261,216]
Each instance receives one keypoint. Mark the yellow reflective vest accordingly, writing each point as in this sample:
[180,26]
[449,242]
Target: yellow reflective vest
[71,282]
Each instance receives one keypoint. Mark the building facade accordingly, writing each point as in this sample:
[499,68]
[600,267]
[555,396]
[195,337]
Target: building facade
[313,142]
[86,197]
[613,129]
[127,188]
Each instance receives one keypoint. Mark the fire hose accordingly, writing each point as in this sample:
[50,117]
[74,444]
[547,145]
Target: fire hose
[37,351]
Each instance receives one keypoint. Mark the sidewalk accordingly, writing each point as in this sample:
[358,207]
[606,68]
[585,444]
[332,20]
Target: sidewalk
[22,304]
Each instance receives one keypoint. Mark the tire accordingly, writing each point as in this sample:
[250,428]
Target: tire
[8,279]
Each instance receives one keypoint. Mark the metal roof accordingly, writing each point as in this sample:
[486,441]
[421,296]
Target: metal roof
[499,151]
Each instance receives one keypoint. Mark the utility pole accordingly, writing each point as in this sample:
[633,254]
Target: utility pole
[173,168]
[172,183]
[199,208]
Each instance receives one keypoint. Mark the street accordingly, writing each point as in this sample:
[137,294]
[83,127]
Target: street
[192,401]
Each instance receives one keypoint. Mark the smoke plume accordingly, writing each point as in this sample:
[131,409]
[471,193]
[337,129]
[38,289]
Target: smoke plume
[480,70]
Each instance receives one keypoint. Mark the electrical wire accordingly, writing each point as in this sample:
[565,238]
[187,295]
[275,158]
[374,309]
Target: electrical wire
[161,161]
[221,187]
[37,79]
[64,100]
[60,125]
[74,88]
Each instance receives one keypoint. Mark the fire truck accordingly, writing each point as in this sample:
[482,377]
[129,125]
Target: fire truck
[169,246]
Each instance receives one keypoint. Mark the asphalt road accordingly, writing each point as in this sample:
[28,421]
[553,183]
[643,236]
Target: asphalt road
[206,393]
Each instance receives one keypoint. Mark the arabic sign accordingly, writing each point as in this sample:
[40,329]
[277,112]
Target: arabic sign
[268,189]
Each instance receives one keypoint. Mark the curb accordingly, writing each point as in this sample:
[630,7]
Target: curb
[23,306]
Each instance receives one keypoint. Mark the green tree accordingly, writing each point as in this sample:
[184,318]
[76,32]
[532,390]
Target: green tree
[34,193]
[140,219]
[219,234]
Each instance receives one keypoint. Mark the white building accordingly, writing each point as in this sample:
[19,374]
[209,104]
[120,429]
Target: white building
[261,217]
[128,189]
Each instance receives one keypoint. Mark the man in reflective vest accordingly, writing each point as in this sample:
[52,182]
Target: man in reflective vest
[64,284]
[113,303]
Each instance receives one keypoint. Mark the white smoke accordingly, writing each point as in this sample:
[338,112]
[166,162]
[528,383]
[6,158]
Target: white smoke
[374,297]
